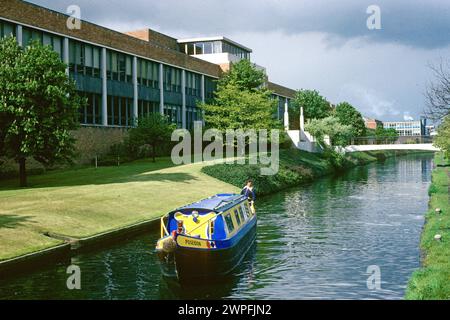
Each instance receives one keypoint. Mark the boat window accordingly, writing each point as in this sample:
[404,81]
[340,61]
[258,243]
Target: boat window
[249,210]
[229,222]
[241,214]
[236,215]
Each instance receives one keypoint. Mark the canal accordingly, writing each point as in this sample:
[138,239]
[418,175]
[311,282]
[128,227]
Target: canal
[316,241]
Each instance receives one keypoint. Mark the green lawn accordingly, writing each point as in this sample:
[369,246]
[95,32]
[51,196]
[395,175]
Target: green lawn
[432,281]
[84,202]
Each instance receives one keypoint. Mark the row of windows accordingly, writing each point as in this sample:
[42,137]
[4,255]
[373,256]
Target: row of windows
[241,53]
[411,132]
[211,47]
[119,66]
[206,47]
[193,84]
[172,79]
[173,112]
[148,73]
[192,114]
[403,126]
[147,107]
[237,217]
[7,29]
[91,113]
[120,111]
[47,39]
[84,58]
[210,87]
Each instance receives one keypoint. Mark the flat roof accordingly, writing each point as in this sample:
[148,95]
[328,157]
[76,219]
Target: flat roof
[216,38]
[214,203]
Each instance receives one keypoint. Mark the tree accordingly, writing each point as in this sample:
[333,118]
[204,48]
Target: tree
[234,108]
[314,105]
[38,105]
[243,75]
[338,133]
[348,115]
[383,134]
[442,140]
[241,101]
[153,130]
[438,92]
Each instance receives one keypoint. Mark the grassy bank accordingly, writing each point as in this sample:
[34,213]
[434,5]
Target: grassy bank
[432,281]
[296,167]
[85,202]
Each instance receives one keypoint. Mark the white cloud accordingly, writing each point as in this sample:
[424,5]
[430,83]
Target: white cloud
[407,117]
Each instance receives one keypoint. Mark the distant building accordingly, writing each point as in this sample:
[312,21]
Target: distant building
[372,123]
[430,130]
[407,128]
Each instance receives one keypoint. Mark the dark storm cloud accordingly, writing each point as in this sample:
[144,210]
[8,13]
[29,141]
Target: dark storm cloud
[424,24]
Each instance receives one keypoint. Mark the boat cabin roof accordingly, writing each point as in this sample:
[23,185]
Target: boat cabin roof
[217,203]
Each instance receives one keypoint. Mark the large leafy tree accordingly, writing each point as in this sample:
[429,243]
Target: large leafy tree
[241,101]
[385,135]
[38,105]
[314,105]
[348,115]
[234,108]
[153,130]
[442,140]
[338,133]
[243,75]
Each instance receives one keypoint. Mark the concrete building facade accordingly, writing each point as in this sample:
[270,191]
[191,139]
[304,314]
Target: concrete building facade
[407,128]
[127,75]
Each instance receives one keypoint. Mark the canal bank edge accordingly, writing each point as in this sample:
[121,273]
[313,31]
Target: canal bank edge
[296,167]
[432,280]
[72,245]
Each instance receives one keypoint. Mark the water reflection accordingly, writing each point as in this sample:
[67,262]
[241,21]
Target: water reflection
[314,241]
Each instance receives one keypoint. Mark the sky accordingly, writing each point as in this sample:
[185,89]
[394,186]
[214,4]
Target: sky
[309,44]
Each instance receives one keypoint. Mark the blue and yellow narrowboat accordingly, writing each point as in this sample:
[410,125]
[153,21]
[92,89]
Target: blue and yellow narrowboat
[206,238]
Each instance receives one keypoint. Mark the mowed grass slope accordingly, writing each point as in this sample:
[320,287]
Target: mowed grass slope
[84,202]
[432,281]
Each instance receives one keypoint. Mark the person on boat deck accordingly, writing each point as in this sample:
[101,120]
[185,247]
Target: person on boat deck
[248,191]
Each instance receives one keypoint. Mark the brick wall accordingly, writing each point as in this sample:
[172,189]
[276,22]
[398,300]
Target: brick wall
[96,141]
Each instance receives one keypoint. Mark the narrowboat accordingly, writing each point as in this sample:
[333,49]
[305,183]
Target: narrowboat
[206,238]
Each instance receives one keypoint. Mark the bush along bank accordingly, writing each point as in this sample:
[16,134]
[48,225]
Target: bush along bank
[296,167]
[432,281]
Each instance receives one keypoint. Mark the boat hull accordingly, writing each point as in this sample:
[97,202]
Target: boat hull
[192,264]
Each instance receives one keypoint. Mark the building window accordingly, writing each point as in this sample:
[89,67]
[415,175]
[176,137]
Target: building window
[207,48]
[199,48]
[91,113]
[172,79]
[29,35]
[147,107]
[193,84]
[148,73]
[120,111]
[190,48]
[84,59]
[173,112]
[7,29]
[210,87]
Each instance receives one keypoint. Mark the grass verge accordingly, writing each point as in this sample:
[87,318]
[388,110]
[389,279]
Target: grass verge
[85,202]
[432,281]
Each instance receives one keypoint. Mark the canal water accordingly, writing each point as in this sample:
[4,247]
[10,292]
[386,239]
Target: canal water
[331,239]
